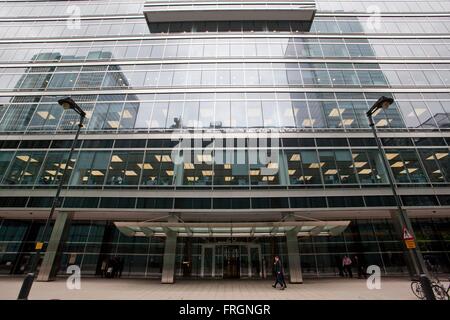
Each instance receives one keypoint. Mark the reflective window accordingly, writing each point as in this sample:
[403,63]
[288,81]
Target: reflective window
[106,116]
[231,168]
[159,115]
[46,116]
[369,166]
[302,118]
[222,114]
[125,168]
[144,114]
[254,112]
[262,174]
[191,114]
[436,163]
[24,169]
[285,114]
[5,160]
[53,168]
[333,114]
[337,167]
[90,168]
[303,167]
[157,169]
[199,170]
[405,166]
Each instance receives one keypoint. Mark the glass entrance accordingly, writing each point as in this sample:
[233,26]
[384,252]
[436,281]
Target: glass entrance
[255,261]
[231,261]
[208,261]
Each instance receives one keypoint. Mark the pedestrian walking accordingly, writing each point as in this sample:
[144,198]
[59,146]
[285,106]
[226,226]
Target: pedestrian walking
[103,268]
[120,266]
[279,273]
[339,266]
[109,268]
[115,267]
[347,265]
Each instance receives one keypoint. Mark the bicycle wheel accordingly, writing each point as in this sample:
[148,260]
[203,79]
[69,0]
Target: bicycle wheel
[439,292]
[417,290]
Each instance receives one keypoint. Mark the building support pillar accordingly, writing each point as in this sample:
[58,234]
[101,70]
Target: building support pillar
[52,256]
[295,268]
[170,251]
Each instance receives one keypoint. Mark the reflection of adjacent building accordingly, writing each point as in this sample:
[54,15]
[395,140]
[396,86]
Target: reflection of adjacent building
[42,114]
[441,119]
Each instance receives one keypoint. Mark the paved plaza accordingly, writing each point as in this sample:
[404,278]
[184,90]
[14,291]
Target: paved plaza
[145,289]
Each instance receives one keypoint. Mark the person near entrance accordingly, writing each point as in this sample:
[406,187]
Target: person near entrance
[279,273]
[360,266]
[347,264]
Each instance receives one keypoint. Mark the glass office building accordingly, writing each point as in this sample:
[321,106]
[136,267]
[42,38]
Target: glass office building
[222,133]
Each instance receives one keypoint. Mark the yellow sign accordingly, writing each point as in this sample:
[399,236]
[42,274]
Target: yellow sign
[39,245]
[410,244]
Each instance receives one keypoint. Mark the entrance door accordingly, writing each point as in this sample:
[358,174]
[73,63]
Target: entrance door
[255,261]
[208,261]
[231,262]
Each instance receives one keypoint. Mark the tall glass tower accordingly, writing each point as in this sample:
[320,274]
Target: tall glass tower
[222,133]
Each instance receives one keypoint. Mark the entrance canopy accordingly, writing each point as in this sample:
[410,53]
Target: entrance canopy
[233,229]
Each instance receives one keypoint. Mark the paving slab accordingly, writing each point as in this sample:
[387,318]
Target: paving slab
[146,289]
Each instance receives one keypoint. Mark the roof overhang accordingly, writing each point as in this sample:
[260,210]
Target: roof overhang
[234,229]
[244,10]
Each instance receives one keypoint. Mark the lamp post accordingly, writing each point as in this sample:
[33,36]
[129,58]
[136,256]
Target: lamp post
[66,103]
[399,216]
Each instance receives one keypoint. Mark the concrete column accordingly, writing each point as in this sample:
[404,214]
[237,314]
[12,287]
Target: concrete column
[52,256]
[295,269]
[170,250]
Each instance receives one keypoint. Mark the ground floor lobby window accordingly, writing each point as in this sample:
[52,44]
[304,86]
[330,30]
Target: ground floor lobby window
[95,245]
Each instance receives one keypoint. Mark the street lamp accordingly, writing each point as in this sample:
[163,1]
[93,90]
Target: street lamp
[399,216]
[66,103]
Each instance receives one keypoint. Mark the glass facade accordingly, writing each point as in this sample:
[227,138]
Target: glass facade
[149,164]
[208,92]
[91,242]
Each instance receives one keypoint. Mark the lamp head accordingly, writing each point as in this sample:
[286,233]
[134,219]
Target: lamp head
[384,102]
[67,103]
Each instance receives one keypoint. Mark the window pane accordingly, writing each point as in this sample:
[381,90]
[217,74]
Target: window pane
[90,168]
[53,168]
[157,169]
[25,168]
[125,168]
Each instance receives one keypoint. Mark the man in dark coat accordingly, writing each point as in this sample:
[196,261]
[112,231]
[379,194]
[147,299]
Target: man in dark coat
[279,273]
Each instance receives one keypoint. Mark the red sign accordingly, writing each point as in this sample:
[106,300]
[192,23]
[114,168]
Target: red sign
[407,235]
